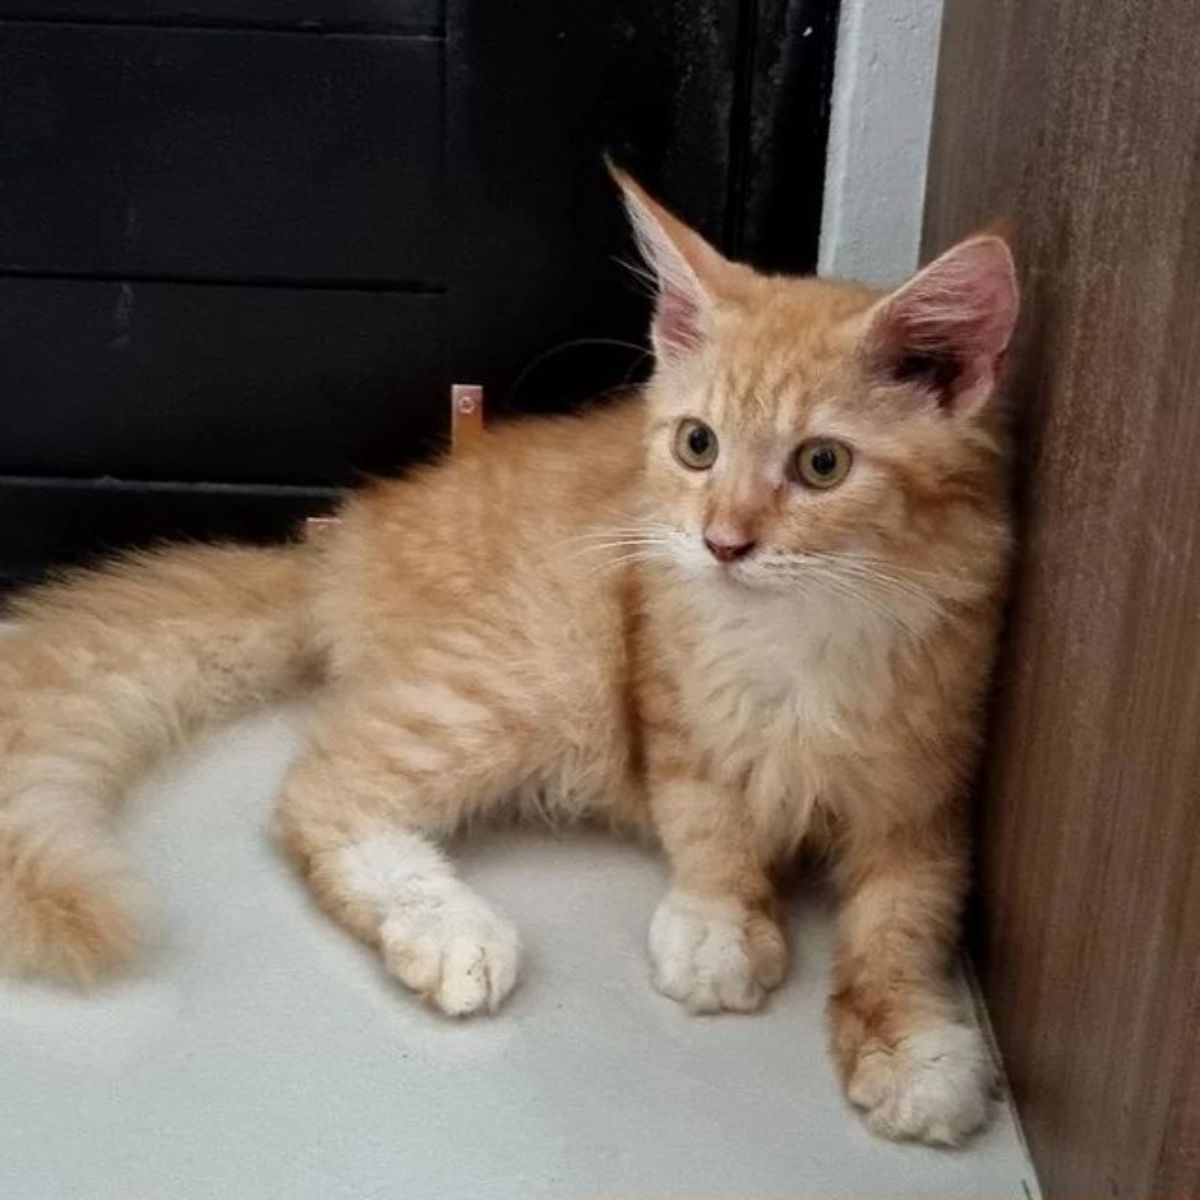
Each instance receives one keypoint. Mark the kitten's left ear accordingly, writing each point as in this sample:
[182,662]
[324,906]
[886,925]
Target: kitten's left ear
[947,329]
[691,276]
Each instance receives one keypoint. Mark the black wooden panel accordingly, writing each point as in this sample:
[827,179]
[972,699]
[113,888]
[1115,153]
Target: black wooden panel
[186,382]
[407,15]
[200,154]
[64,521]
[537,298]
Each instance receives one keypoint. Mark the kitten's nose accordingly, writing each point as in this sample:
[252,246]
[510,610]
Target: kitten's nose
[727,549]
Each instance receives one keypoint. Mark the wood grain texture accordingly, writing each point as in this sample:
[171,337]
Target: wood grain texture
[1080,119]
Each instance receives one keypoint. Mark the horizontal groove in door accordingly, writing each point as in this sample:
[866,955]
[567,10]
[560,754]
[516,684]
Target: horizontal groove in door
[200,280]
[54,522]
[284,15]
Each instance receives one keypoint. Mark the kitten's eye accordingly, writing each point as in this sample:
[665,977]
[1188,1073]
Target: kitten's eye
[822,463]
[695,444]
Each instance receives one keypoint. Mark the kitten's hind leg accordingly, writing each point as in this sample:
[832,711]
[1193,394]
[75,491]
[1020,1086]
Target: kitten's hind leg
[385,776]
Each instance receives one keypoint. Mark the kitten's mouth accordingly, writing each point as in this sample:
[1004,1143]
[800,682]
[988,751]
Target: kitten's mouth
[740,571]
[759,573]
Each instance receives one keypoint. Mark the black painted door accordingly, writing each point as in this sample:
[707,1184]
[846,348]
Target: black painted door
[246,247]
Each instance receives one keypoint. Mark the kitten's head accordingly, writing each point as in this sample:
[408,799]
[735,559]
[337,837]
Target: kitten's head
[799,425]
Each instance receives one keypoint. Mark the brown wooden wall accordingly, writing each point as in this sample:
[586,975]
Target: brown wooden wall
[1080,119]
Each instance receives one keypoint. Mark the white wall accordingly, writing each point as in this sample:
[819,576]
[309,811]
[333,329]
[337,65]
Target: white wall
[879,138]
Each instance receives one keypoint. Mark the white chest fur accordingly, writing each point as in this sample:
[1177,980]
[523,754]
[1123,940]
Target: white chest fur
[780,690]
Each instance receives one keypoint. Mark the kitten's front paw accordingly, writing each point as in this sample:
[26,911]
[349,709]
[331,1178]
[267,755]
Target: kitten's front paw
[932,1086]
[713,954]
[448,945]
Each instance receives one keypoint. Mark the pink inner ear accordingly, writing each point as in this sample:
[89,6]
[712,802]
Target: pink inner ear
[950,325]
[676,324]
[690,274]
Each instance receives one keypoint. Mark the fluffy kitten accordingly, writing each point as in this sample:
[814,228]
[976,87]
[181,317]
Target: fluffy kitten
[752,608]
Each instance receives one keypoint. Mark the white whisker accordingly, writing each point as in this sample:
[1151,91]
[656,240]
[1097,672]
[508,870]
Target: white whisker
[638,542]
[852,583]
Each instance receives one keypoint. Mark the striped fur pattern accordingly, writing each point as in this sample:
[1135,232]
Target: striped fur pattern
[540,626]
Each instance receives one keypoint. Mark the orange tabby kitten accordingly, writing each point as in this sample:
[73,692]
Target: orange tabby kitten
[751,609]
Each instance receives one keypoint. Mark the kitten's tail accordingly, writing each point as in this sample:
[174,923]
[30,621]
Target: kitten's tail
[102,674]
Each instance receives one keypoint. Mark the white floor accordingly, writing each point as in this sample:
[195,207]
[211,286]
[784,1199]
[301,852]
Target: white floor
[264,1055]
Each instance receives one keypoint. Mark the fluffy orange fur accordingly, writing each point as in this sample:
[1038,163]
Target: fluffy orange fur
[543,624]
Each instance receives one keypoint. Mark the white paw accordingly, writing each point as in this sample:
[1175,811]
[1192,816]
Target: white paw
[445,943]
[934,1086]
[705,958]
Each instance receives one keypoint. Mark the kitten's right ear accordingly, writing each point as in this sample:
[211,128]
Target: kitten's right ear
[948,328]
[691,276]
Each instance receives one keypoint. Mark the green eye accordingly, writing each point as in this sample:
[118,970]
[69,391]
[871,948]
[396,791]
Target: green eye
[695,445]
[822,463]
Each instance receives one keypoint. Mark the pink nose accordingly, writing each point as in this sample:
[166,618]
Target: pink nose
[724,550]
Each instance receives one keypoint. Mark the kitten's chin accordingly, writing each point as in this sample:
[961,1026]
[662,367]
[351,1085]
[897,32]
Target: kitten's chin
[746,579]
[743,578]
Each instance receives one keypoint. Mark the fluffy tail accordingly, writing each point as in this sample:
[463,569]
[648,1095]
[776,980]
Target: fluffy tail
[100,676]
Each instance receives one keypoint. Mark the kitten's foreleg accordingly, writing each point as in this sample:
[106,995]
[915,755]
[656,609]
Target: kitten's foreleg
[907,1053]
[715,939]
[362,811]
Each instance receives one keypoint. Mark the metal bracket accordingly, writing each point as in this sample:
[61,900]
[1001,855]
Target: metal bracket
[466,414]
